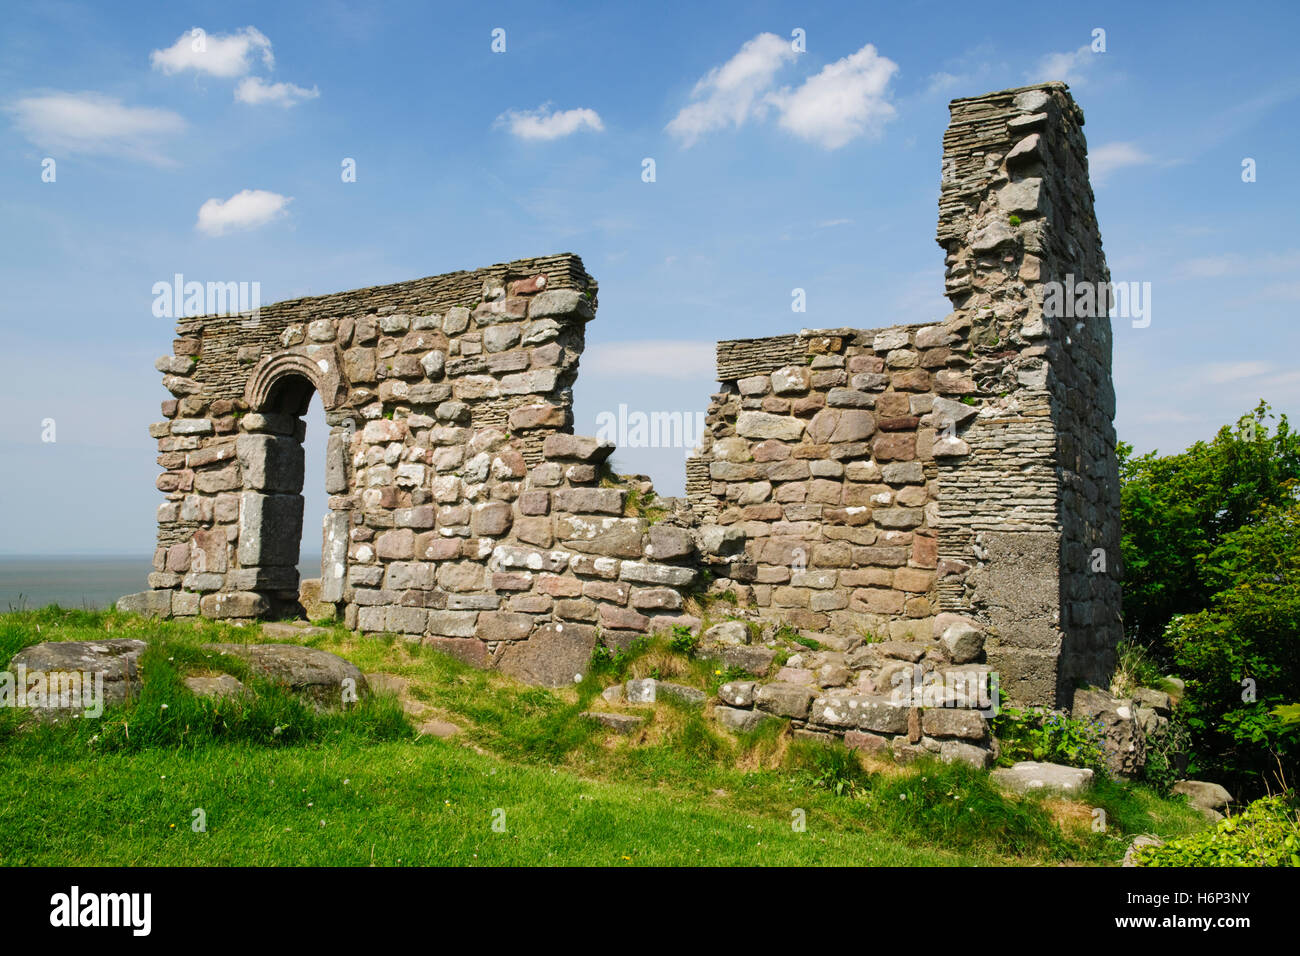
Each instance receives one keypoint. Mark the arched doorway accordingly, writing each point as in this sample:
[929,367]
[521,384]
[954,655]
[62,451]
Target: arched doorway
[271,452]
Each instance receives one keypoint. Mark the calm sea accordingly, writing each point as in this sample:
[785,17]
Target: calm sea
[82,582]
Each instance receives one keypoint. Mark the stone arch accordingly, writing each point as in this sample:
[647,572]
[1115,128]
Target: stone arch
[319,365]
[270,450]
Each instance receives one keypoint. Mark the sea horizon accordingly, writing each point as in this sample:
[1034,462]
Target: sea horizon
[88,580]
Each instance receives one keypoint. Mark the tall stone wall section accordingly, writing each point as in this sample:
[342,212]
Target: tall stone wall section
[883,478]
[1034,511]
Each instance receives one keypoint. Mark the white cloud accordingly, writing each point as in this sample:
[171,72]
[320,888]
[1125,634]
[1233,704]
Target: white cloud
[255,90]
[1071,68]
[1112,156]
[1219,373]
[544,123]
[731,94]
[1235,264]
[225,55]
[247,209]
[846,99]
[94,123]
[651,358]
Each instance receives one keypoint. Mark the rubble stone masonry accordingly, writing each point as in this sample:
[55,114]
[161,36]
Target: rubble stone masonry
[881,483]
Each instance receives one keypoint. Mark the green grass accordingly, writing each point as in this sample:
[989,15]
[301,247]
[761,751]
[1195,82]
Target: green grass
[678,792]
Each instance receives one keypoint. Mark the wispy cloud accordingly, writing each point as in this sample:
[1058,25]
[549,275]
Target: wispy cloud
[228,56]
[93,123]
[247,209]
[969,74]
[1236,264]
[1219,373]
[225,55]
[847,99]
[254,90]
[1073,68]
[731,94]
[544,123]
[652,358]
[1109,157]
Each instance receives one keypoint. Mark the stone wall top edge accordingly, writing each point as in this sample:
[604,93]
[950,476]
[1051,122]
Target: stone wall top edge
[814,333]
[1002,94]
[564,270]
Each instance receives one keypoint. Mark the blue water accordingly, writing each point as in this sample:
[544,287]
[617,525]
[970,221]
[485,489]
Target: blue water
[82,581]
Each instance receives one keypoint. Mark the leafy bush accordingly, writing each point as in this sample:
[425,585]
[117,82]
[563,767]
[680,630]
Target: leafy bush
[1177,509]
[1241,659]
[683,640]
[1048,737]
[1266,833]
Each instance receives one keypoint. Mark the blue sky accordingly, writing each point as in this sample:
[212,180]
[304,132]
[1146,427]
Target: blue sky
[774,170]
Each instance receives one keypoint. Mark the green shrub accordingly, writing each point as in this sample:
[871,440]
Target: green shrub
[1177,509]
[683,640]
[1048,737]
[1266,833]
[1241,659]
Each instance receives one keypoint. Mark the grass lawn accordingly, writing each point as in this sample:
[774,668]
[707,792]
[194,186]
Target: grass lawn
[527,782]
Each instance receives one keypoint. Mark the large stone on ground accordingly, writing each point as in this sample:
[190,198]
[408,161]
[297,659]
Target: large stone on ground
[681,694]
[439,728]
[291,630]
[1123,742]
[738,720]
[1204,795]
[223,685]
[1029,775]
[619,723]
[323,678]
[116,658]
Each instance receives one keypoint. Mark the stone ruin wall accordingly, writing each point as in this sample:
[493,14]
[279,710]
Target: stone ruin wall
[461,512]
[884,482]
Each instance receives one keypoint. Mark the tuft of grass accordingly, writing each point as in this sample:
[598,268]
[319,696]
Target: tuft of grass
[1135,668]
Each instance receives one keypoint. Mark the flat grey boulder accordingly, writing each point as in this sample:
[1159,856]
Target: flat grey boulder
[324,678]
[117,659]
[728,633]
[619,723]
[738,720]
[650,691]
[1139,841]
[1029,775]
[220,686]
[1204,795]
